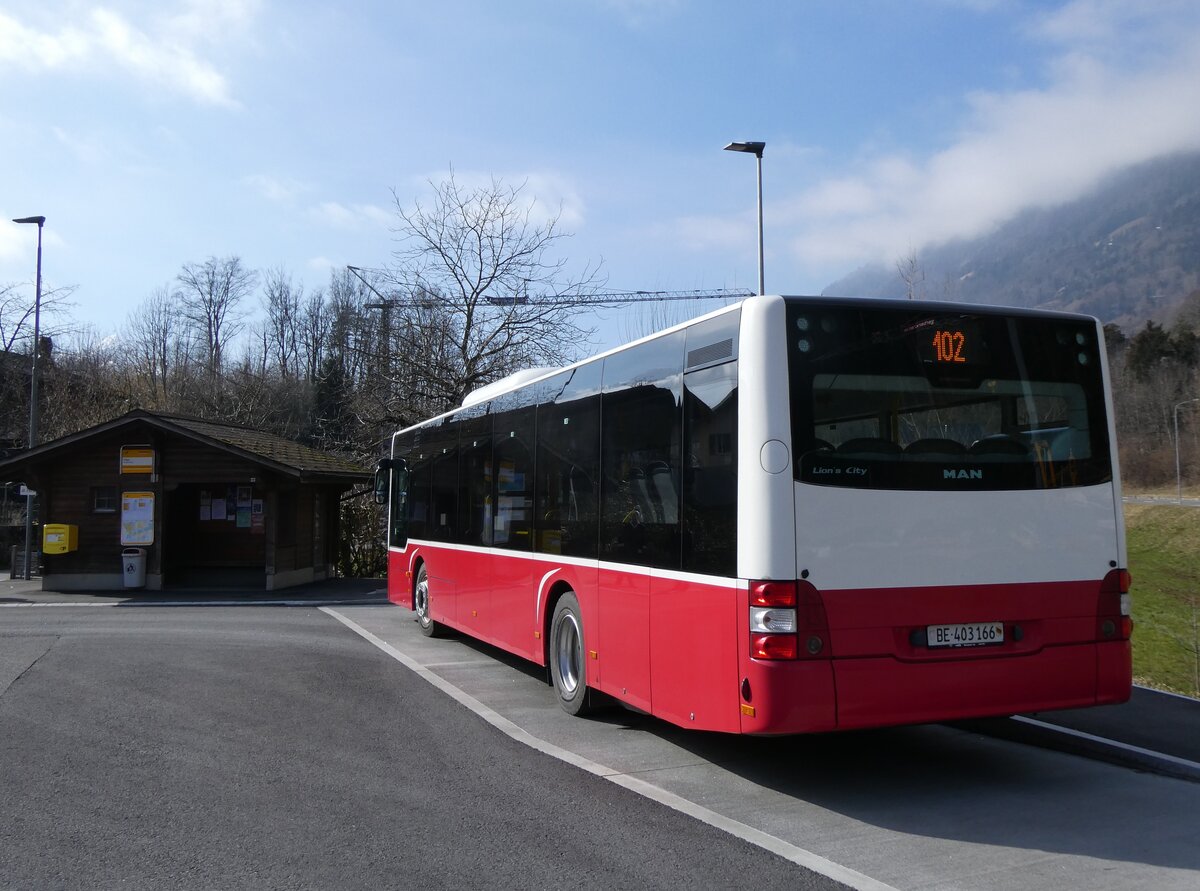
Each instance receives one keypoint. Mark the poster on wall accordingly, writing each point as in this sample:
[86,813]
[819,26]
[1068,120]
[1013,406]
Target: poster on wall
[244,505]
[137,518]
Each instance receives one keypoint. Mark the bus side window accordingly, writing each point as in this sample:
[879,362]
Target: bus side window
[443,447]
[710,470]
[512,457]
[475,477]
[398,496]
[568,460]
[642,433]
[420,470]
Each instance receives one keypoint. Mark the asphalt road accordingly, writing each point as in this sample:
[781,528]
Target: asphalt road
[923,807]
[271,748]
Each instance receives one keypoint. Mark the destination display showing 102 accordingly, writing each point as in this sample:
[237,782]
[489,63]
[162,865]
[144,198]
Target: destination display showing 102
[949,343]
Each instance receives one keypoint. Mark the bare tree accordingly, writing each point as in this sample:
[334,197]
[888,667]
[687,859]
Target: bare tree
[210,295]
[156,347]
[85,385]
[17,310]
[912,273]
[282,303]
[314,333]
[488,265]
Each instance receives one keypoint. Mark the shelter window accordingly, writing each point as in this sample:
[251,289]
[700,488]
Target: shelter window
[104,499]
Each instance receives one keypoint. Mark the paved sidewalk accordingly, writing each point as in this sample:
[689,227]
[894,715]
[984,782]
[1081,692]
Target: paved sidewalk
[325,592]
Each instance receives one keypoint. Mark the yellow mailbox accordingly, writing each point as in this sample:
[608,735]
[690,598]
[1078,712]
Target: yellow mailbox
[59,538]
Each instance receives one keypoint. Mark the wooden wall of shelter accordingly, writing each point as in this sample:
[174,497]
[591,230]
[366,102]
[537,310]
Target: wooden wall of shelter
[230,507]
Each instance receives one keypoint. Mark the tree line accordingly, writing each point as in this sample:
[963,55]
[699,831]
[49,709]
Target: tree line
[1156,377]
[342,366]
[339,367]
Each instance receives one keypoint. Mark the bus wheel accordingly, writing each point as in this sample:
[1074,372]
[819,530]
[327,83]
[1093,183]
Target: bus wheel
[567,666]
[429,627]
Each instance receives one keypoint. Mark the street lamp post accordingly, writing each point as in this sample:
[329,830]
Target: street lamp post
[33,385]
[1178,475]
[756,149]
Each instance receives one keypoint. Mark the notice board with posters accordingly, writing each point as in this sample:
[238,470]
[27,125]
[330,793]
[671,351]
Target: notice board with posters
[137,518]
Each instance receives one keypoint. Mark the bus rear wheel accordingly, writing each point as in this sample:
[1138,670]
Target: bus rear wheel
[421,604]
[567,666]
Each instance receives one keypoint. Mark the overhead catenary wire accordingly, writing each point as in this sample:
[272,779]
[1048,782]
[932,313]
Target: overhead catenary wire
[599,299]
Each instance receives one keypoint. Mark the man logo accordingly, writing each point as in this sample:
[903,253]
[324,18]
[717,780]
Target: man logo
[950,473]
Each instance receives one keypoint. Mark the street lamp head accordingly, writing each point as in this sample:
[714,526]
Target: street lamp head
[753,148]
[38,221]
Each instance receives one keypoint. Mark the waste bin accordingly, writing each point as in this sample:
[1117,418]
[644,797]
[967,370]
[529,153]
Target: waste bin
[133,560]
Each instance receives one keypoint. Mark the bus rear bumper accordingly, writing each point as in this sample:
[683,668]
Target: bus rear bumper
[874,692]
[788,697]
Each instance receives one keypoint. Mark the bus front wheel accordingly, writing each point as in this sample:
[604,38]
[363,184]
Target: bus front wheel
[567,666]
[421,604]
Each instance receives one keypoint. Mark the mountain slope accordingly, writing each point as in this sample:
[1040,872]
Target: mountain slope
[1128,252]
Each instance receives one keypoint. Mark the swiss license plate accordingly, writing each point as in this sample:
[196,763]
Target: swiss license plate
[970,634]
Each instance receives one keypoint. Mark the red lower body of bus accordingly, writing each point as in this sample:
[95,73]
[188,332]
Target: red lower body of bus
[679,647]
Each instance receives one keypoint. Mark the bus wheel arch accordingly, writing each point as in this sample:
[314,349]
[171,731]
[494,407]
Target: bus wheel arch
[555,589]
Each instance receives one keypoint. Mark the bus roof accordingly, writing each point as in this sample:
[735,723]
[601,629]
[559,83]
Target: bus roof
[519,379]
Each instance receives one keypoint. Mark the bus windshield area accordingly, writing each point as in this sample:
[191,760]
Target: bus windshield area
[910,398]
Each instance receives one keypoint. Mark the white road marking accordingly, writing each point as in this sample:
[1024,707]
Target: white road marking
[786,850]
[1112,743]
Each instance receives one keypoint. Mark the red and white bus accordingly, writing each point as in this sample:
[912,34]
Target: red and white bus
[789,515]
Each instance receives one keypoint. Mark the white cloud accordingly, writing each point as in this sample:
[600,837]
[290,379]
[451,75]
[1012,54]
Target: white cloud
[12,246]
[278,191]
[554,195]
[161,52]
[1113,24]
[88,149]
[18,252]
[212,20]
[1101,109]
[320,264]
[354,216]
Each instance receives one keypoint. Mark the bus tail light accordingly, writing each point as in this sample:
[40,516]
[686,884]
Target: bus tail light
[769,593]
[1113,619]
[787,621]
[773,646]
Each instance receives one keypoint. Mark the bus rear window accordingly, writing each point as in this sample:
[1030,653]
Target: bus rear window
[910,398]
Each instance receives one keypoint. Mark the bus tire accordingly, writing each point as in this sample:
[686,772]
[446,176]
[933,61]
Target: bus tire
[421,603]
[567,665]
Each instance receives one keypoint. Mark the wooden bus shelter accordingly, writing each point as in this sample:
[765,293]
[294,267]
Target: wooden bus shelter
[189,503]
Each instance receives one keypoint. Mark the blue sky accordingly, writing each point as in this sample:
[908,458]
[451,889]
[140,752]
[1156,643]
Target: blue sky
[153,134]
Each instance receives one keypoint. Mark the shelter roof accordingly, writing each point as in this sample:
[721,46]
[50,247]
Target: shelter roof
[281,455]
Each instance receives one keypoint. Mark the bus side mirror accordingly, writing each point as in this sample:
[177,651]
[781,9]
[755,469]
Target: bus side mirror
[382,473]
